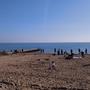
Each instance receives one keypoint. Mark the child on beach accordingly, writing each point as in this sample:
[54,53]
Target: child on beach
[52,65]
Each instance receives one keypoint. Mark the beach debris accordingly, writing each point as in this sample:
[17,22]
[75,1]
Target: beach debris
[77,57]
[35,87]
[46,59]
[38,59]
[53,54]
[86,65]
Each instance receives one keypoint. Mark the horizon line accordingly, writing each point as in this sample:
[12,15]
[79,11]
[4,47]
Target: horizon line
[45,42]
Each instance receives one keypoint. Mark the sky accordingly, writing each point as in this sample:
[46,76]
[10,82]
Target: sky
[44,20]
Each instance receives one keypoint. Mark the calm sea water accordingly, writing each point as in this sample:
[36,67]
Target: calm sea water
[48,47]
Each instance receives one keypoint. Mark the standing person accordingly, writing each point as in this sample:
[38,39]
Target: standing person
[43,50]
[58,52]
[54,50]
[22,50]
[79,51]
[86,51]
[82,54]
[61,51]
[72,54]
[71,51]
[65,53]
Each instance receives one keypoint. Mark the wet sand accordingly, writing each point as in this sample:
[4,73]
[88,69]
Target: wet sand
[30,72]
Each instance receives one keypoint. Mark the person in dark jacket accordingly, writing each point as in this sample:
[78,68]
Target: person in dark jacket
[62,52]
[82,54]
[71,51]
[86,51]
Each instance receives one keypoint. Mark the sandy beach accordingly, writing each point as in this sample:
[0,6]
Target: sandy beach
[31,72]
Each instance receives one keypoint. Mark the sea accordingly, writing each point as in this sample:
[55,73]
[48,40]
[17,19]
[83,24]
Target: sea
[48,47]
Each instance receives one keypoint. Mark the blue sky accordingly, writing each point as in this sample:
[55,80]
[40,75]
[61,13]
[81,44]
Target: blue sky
[44,20]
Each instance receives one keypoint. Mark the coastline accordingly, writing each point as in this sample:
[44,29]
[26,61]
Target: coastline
[48,47]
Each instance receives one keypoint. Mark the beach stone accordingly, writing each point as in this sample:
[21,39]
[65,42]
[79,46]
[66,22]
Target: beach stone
[26,88]
[6,86]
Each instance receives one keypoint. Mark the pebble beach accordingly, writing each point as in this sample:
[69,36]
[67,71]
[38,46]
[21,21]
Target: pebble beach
[24,71]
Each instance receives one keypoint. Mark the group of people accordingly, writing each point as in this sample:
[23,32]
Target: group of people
[58,52]
[63,52]
[52,65]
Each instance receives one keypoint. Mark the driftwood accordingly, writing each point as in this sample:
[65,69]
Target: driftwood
[86,65]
